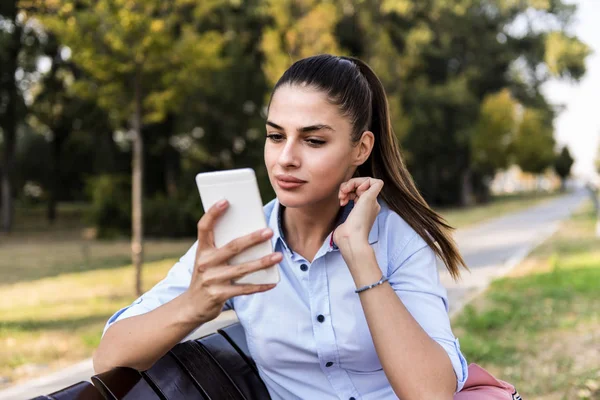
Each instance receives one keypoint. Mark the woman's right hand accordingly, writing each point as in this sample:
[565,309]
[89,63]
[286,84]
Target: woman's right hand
[212,278]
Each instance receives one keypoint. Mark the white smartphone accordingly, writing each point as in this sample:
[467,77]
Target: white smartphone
[243,216]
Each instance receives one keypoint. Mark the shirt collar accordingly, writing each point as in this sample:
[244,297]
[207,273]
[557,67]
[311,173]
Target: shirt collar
[276,224]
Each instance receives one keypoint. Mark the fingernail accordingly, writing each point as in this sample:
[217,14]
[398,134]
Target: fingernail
[222,203]
[275,256]
[266,233]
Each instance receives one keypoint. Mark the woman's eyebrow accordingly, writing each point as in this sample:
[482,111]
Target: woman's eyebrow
[305,129]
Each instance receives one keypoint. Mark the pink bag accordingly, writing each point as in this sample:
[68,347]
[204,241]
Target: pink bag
[481,385]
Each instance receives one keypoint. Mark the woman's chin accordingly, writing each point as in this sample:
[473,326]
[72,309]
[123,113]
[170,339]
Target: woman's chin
[297,200]
[291,200]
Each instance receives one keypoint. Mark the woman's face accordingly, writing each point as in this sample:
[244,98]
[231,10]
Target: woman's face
[307,141]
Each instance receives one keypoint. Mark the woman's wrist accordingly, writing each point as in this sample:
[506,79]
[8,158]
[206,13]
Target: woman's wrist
[188,314]
[362,263]
[353,247]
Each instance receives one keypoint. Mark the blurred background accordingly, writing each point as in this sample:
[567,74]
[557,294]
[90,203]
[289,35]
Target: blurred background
[108,109]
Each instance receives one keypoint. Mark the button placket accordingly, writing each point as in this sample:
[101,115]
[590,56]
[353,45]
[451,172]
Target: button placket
[324,336]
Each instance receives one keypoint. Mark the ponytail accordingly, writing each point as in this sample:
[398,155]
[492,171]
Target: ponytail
[400,191]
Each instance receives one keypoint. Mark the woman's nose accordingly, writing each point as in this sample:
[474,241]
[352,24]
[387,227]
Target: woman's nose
[289,155]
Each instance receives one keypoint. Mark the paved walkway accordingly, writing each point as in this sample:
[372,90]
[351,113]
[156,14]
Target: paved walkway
[490,249]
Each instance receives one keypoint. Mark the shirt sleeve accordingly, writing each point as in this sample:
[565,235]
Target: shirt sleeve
[175,283]
[414,277]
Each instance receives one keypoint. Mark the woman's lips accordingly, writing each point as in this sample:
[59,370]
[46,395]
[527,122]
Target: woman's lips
[289,183]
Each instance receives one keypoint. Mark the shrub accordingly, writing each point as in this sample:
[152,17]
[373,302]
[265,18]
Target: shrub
[163,217]
[110,212]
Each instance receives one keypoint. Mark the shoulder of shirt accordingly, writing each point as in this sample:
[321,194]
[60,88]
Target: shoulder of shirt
[392,221]
[393,228]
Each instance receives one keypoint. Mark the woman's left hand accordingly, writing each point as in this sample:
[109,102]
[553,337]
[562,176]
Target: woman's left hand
[355,230]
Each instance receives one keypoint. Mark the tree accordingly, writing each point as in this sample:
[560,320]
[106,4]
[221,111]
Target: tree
[494,132]
[299,29]
[562,165]
[452,55]
[534,142]
[18,48]
[493,136]
[56,108]
[8,106]
[140,58]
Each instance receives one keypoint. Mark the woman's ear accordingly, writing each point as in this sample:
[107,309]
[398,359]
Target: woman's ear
[364,147]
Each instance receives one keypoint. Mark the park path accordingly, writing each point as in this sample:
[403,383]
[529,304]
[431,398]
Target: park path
[490,249]
[494,247]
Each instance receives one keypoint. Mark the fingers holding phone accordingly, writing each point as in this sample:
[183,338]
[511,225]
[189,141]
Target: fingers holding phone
[241,214]
[213,278]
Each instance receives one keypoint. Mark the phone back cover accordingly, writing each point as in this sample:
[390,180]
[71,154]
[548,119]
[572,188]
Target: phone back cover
[244,215]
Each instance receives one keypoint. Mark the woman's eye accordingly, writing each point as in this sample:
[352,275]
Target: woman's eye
[275,137]
[315,142]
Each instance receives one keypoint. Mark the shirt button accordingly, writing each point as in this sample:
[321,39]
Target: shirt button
[329,364]
[320,318]
[351,398]
[304,267]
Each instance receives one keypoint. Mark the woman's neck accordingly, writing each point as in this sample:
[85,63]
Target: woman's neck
[305,229]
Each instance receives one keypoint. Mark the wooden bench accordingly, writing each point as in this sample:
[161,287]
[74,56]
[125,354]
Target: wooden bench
[214,367]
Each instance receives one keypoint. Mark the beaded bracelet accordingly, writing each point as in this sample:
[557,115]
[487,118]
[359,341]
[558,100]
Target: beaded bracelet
[381,281]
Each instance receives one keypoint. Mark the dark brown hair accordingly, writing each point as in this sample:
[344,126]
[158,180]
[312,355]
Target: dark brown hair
[351,84]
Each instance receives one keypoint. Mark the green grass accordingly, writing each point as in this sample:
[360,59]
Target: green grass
[498,206]
[34,259]
[37,249]
[58,289]
[53,322]
[539,328]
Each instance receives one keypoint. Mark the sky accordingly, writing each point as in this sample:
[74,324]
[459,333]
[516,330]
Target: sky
[578,126]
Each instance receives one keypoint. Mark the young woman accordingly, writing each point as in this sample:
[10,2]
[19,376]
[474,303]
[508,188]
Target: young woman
[359,312]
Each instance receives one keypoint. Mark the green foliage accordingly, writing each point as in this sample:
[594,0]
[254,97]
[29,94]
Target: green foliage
[299,30]
[534,143]
[163,217]
[110,212]
[494,133]
[171,217]
[563,163]
[455,75]
[118,43]
[565,55]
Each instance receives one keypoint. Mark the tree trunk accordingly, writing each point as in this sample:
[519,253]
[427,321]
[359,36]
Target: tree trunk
[137,254]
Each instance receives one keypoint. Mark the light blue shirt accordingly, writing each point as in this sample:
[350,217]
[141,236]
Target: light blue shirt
[308,335]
